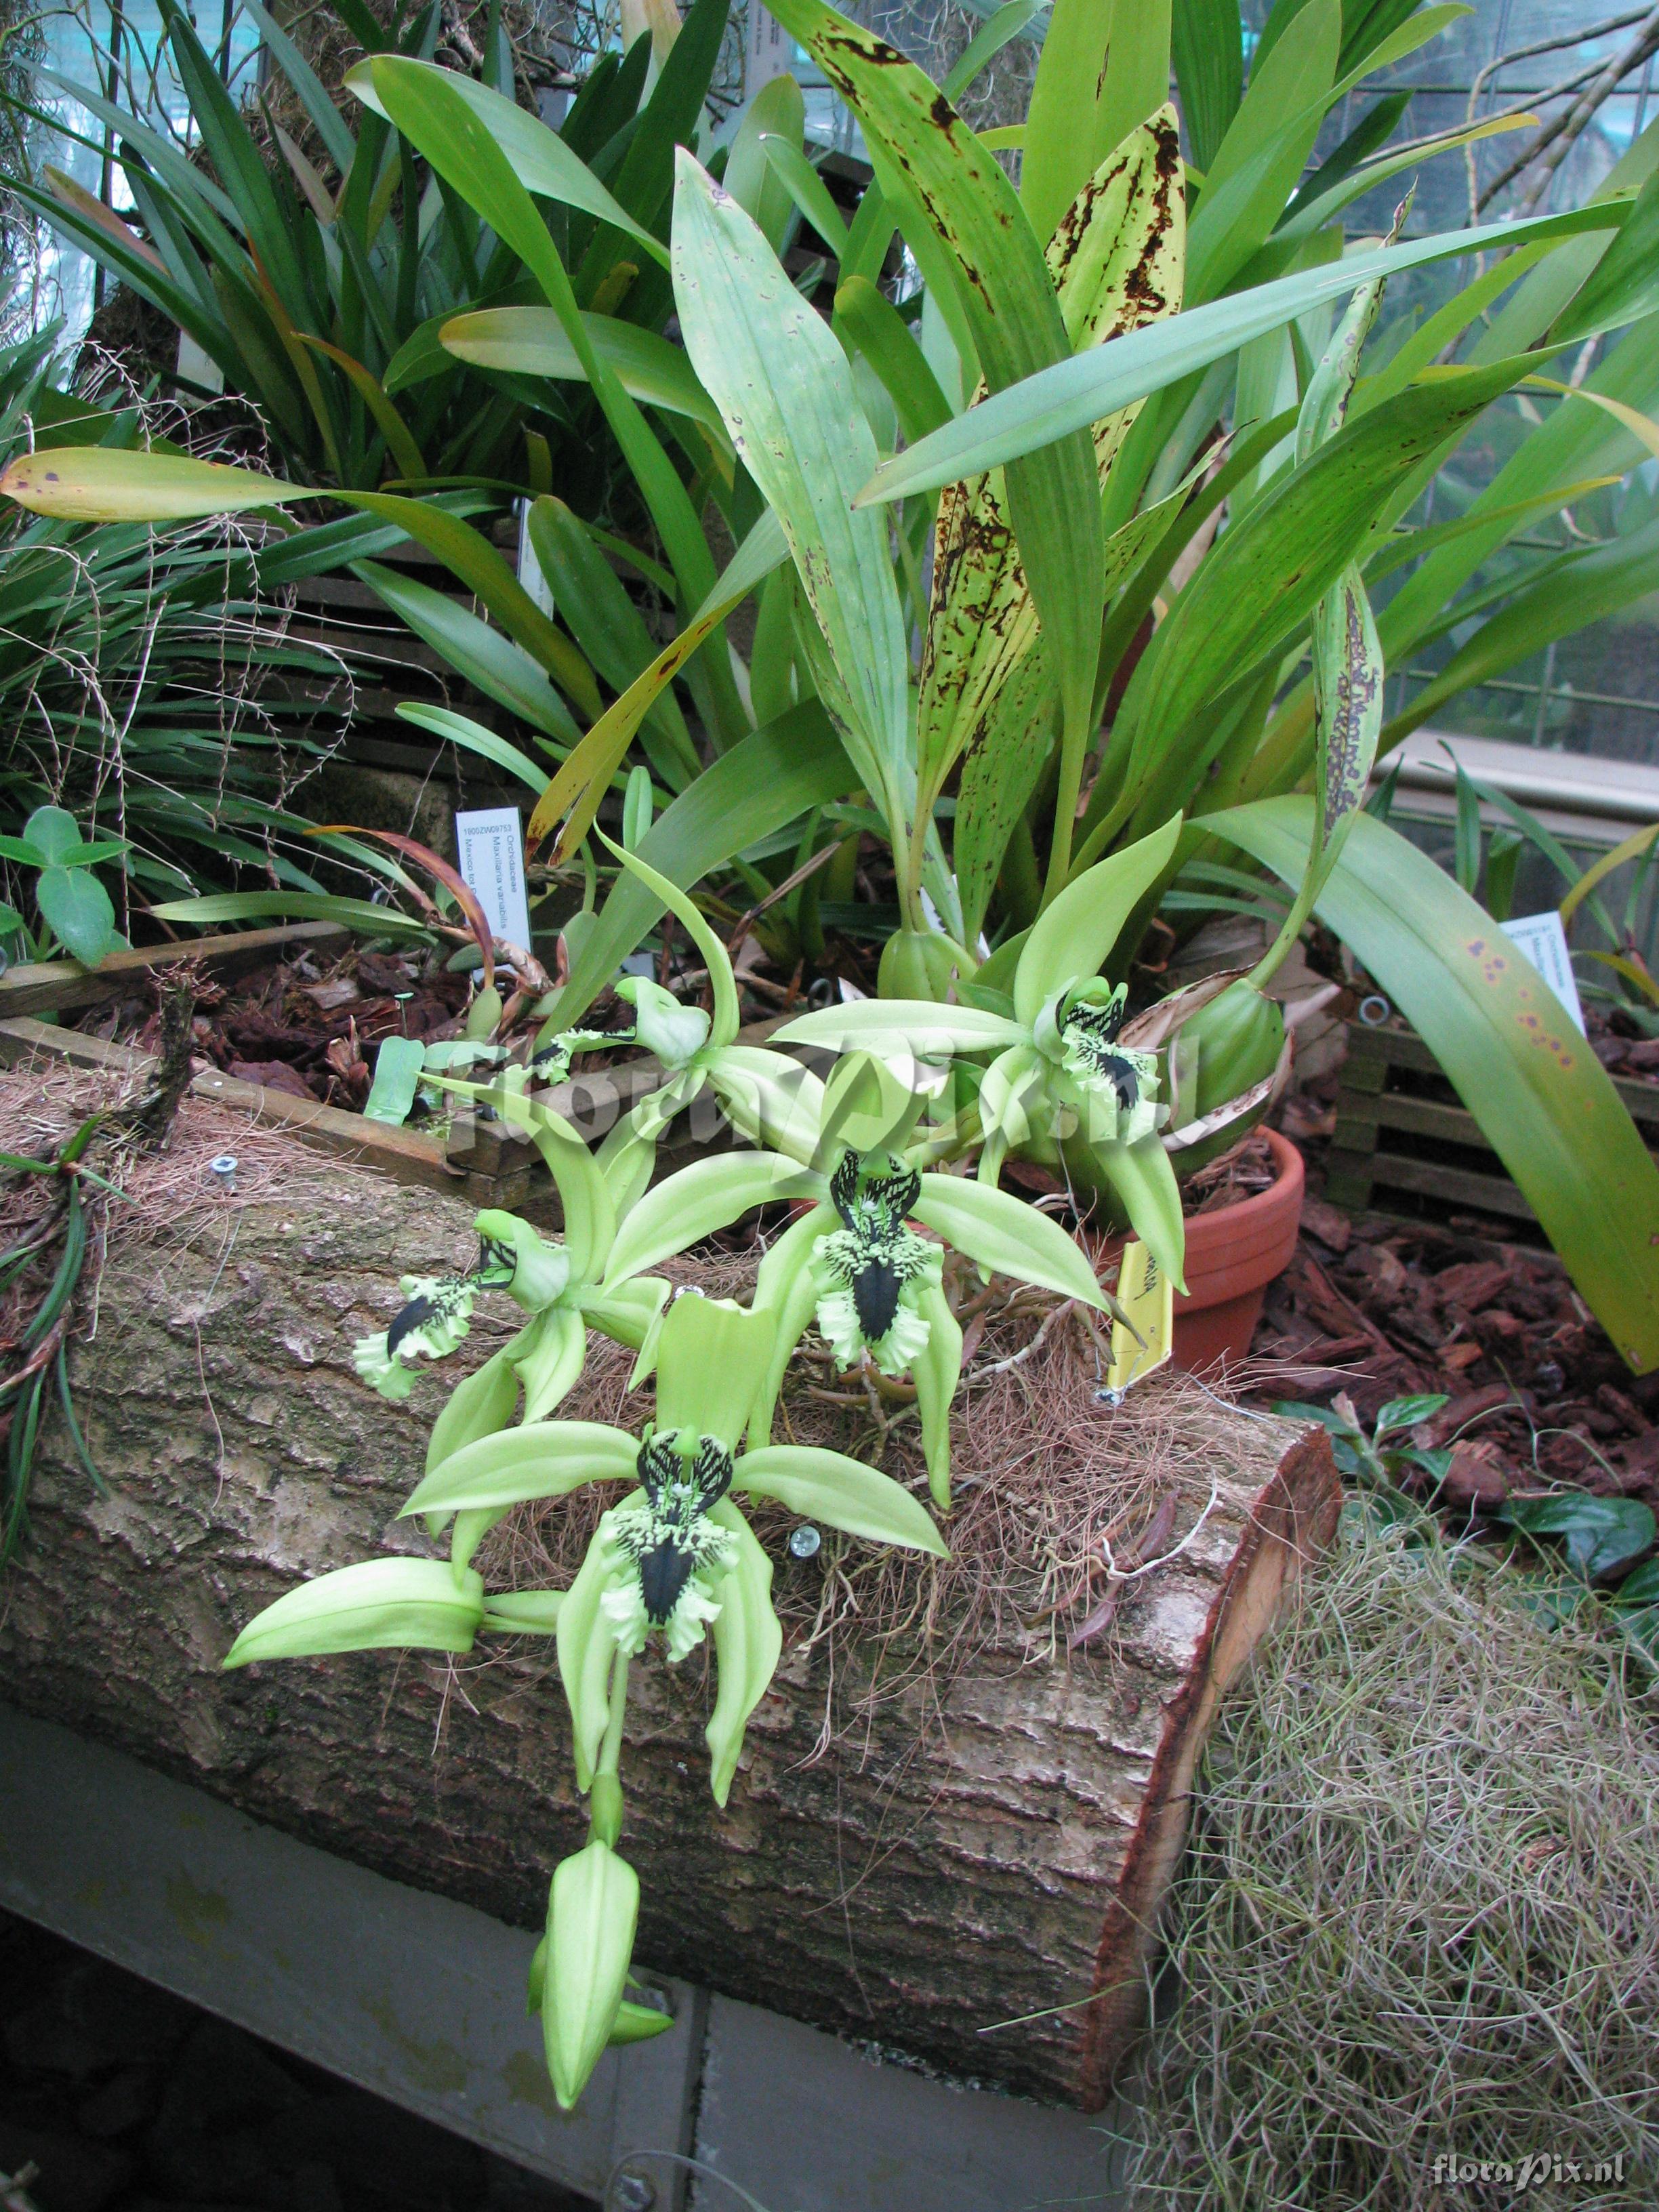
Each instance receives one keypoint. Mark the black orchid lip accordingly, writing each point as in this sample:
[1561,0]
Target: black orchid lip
[677,1535]
[441,1303]
[875,1252]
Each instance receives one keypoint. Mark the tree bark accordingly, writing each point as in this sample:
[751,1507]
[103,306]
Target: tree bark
[999,1851]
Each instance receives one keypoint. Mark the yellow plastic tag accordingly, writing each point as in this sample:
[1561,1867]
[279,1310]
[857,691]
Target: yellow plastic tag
[1147,1297]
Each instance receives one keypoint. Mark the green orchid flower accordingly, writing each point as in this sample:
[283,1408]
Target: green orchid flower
[855,1259]
[1067,1087]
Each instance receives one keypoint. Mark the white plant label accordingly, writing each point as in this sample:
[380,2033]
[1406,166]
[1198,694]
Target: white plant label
[769,51]
[490,842]
[1544,941]
[531,575]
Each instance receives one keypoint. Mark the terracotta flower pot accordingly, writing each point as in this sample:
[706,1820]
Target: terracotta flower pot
[1233,1254]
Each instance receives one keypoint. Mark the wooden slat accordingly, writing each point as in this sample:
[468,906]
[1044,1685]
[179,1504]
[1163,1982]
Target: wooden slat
[54,986]
[404,1154]
[1427,1117]
[1452,1186]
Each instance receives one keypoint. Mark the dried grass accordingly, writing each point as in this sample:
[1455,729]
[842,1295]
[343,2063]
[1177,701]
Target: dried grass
[1043,1471]
[169,1191]
[1421,1913]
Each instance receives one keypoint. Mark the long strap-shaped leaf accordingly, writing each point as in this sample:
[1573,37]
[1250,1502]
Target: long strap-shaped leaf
[784,389]
[573,795]
[1008,299]
[1265,577]
[1056,402]
[433,114]
[1115,260]
[538,157]
[1546,1103]
[767,780]
[102,484]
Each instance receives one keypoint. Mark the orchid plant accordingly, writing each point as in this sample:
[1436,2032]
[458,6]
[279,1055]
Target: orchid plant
[675,1558]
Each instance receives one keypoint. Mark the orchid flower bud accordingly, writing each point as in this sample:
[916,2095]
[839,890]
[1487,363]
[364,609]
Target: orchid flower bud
[672,1033]
[592,1909]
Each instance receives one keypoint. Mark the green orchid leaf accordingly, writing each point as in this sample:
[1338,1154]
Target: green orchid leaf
[777,110]
[1073,935]
[1115,262]
[1545,1102]
[841,1492]
[885,338]
[503,671]
[712,1356]
[808,191]
[1265,577]
[531,341]
[922,150]
[359,914]
[919,1026]
[473,737]
[769,779]
[784,389]
[1007,1235]
[748,1644]
[397,1065]
[592,1910]
[548,1459]
[1087,386]
[107,483]
[573,797]
[538,157]
[379,1604]
[710,1194]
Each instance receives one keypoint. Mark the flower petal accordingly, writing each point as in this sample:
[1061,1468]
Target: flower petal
[378,1604]
[712,1358]
[748,1644]
[828,1486]
[546,1459]
[1007,1235]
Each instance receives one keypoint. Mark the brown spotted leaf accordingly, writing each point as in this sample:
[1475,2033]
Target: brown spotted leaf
[1115,262]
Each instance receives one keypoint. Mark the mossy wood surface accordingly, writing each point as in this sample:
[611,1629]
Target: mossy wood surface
[991,1850]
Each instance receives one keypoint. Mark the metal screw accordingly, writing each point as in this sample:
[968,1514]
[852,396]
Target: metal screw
[632,2192]
[222,1168]
[804,1542]
[1375,1011]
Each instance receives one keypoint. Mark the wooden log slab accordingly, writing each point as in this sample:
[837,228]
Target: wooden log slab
[988,1840]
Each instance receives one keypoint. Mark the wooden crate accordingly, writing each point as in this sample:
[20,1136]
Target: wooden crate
[1405,1142]
[482,1161]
